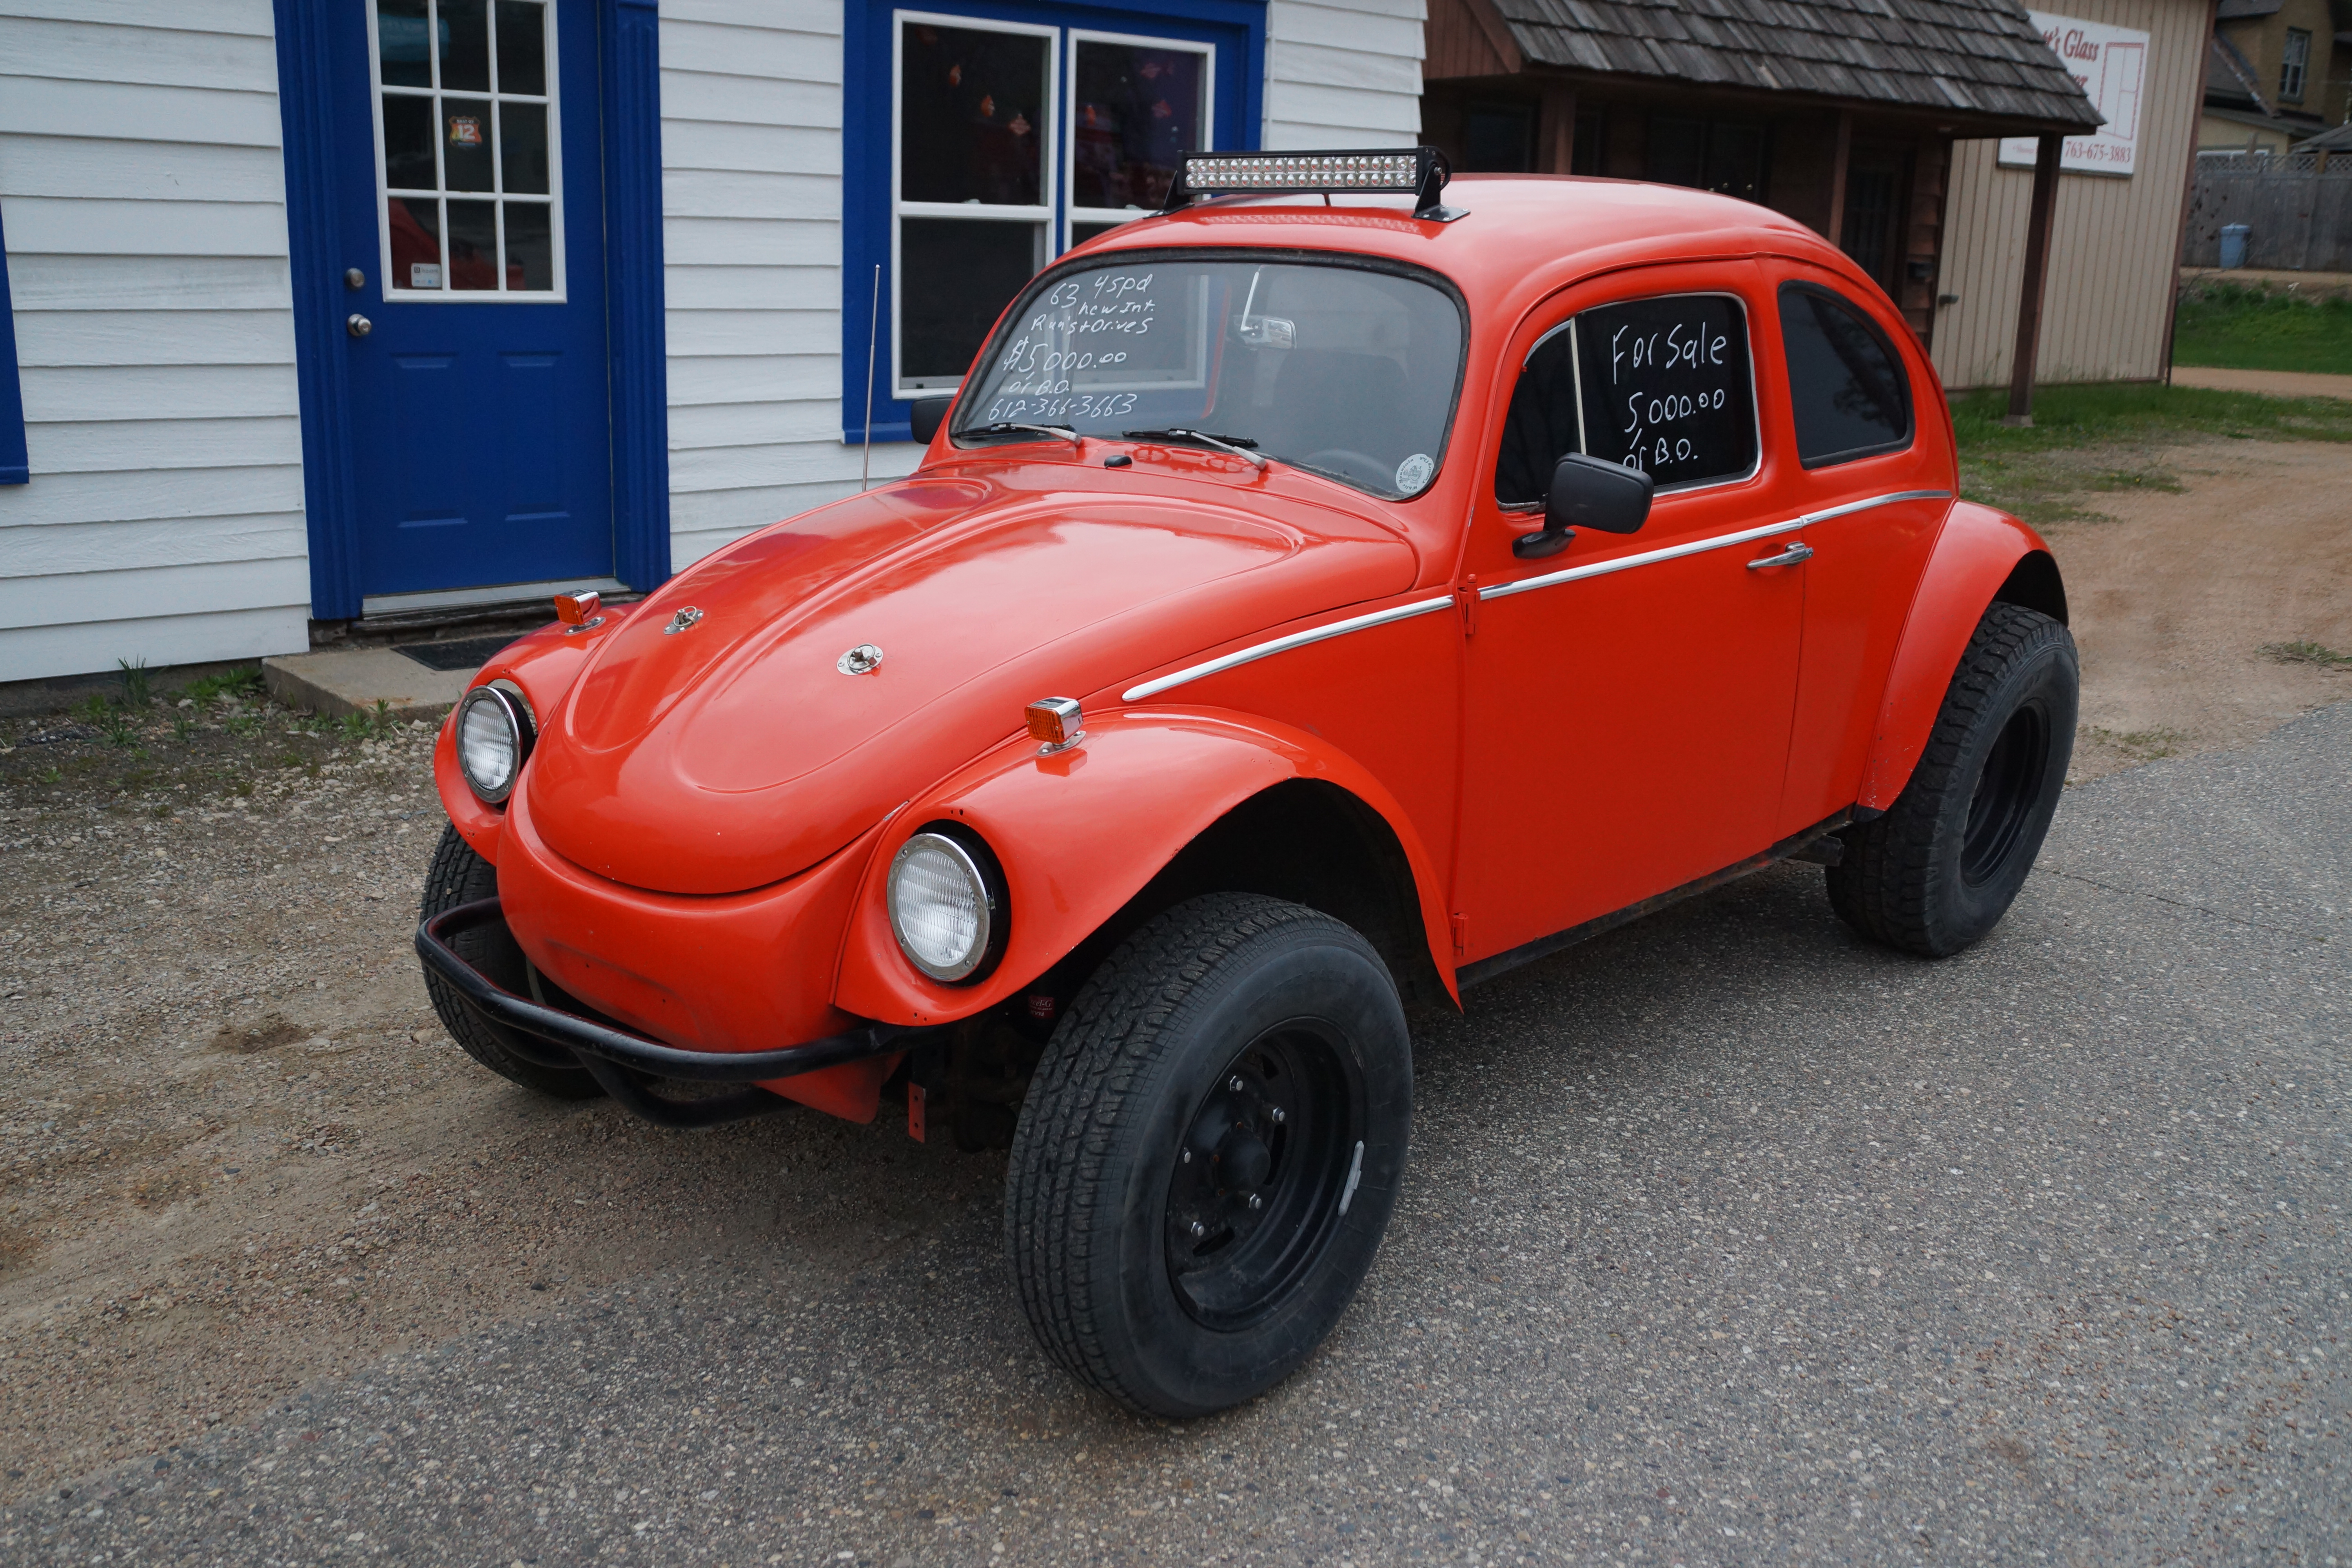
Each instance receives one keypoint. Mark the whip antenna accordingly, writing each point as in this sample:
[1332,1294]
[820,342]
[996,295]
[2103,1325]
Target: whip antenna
[873,333]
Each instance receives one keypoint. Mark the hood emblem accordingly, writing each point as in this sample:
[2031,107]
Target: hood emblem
[862,659]
[680,621]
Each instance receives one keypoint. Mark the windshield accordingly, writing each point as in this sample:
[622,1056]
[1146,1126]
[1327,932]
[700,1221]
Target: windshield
[1345,370]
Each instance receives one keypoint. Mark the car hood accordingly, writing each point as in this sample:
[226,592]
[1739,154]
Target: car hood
[733,752]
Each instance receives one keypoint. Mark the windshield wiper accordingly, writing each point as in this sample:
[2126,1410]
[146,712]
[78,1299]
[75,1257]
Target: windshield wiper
[1007,426]
[1239,446]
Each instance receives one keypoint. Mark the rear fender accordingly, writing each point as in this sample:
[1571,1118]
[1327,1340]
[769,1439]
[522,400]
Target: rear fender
[1981,556]
[1081,833]
[543,664]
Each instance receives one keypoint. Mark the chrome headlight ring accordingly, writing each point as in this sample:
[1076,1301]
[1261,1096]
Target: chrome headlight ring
[946,899]
[494,735]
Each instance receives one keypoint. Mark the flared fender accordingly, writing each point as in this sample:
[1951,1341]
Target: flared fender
[544,664]
[1081,832]
[1978,553]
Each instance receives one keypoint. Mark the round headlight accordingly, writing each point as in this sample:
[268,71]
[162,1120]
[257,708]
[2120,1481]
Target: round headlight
[494,736]
[944,908]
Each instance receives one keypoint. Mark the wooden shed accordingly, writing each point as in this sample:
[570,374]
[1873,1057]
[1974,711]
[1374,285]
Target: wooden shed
[1840,113]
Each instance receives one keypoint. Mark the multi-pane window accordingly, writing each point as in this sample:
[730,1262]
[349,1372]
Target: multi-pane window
[467,160]
[2294,64]
[1014,142]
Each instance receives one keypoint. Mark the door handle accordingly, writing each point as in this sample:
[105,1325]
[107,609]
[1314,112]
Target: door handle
[359,326]
[1799,552]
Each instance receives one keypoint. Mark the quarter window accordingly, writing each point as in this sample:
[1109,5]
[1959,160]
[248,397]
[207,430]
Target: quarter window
[1847,386]
[467,163]
[1662,385]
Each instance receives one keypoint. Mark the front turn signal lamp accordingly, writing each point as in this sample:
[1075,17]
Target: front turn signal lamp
[494,738]
[579,612]
[947,907]
[1053,721]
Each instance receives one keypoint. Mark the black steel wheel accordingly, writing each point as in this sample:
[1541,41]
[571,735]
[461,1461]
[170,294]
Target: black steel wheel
[1208,1153]
[459,876]
[1938,871]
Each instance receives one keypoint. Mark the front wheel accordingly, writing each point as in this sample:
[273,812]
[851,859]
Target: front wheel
[1941,867]
[1208,1153]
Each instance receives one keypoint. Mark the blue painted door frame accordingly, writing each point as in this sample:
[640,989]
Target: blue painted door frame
[322,167]
[1237,27]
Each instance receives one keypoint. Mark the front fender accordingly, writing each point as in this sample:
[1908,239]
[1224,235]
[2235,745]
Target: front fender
[1079,834]
[544,664]
[1979,555]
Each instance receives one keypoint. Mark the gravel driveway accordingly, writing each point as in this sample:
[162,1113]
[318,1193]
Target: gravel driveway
[1727,1239]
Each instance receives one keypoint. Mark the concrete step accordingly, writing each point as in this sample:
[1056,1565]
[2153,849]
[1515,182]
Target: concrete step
[353,680]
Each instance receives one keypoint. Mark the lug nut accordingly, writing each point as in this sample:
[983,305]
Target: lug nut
[1256,1202]
[1276,1114]
[1185,1156]
[1235,1084]
[1199,1230]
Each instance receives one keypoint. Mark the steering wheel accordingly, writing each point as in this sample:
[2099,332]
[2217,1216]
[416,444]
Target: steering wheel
[1368,468]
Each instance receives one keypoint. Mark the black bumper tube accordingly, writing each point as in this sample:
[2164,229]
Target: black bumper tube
[616,1058]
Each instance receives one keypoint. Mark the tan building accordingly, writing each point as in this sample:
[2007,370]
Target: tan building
[2281,71]
[2115,236]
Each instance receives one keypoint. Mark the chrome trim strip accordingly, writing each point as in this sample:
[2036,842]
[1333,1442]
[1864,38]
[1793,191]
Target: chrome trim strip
[1699,546]
[1283,645]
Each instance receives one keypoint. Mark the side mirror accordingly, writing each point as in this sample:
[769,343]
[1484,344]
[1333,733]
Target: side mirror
[1588,492]
[925,414]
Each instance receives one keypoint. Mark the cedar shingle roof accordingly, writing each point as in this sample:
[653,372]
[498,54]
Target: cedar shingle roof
[1965,56]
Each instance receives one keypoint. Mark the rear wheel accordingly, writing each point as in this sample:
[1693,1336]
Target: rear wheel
[1942,866]
[1208,1153]
[459,876]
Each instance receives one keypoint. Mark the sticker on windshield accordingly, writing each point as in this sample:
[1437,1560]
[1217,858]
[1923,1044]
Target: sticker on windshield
[1413,473]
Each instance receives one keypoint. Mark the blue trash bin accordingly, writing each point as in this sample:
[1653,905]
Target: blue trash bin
[2233,244]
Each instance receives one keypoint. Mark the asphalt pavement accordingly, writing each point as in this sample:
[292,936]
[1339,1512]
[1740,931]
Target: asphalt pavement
[1727,1239]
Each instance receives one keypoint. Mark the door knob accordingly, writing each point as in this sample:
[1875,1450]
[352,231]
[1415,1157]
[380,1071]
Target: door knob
[359,326]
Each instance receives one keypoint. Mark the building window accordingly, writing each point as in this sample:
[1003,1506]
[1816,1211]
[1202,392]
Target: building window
[998,137]
[2294,63]
[1725,156]
[466,149]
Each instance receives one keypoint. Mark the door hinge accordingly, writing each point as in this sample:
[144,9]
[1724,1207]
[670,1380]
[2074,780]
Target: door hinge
[1461,935]
[1465,599]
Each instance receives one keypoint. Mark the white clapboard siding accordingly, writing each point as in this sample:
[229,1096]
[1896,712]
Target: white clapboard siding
[146,228]
[751,203]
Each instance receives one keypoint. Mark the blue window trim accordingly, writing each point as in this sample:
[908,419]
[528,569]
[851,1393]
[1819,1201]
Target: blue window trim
[15,462]
[865,132]
[630,118]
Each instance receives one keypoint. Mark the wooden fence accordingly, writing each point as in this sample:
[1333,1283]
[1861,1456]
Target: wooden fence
[2298,208]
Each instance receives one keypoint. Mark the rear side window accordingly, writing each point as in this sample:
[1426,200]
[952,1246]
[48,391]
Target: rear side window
[1659,385]
[1846,383]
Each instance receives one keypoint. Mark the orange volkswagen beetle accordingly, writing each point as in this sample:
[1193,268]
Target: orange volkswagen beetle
[1304,610]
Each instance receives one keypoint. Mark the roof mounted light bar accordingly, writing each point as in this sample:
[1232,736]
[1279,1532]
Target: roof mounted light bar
[1420,172]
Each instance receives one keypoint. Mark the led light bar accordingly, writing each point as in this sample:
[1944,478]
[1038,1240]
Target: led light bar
[1417,172]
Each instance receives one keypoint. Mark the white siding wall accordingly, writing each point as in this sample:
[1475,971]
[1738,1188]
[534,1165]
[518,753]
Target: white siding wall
[752,113]
[145,212]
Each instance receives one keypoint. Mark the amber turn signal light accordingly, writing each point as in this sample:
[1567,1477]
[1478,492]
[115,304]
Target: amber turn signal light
[578,609]
[1053,720]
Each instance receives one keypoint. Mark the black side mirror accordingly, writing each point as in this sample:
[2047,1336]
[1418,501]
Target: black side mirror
[925,414]
[1588,492]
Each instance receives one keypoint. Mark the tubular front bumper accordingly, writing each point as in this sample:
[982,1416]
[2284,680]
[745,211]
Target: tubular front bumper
[551,1037]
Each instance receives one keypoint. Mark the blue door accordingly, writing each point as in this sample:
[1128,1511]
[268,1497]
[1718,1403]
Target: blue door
[470,219]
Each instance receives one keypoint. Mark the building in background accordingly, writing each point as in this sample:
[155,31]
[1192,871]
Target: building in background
[384,310]
[2281,71]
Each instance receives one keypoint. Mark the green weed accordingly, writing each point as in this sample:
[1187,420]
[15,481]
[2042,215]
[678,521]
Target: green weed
[240,683]
[136,688]
[2309,653]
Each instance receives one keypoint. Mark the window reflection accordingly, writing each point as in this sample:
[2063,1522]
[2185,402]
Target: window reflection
[1137,110]
[972,116]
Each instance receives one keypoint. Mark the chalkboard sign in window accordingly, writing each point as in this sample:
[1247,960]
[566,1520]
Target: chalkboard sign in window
[1666,387]
[1846,383]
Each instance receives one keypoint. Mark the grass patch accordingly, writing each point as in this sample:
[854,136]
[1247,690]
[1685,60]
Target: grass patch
[2238,327]
[2142,745]
[2100,440]
[2309,653]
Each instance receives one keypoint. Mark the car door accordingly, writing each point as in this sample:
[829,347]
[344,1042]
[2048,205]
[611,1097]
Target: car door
[1627,710]
[1867,435]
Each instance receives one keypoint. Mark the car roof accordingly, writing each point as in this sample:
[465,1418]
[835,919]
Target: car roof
[1517,227]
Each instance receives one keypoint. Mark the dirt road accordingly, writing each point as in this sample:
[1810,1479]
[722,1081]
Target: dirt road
[238,1154]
